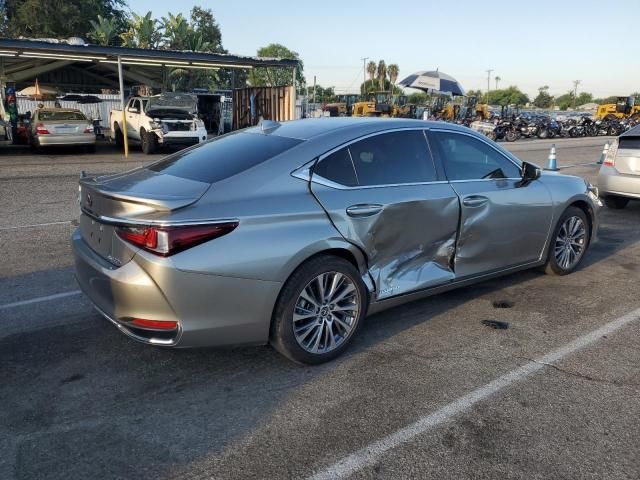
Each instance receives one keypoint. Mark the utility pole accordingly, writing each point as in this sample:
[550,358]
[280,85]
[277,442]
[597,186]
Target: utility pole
[575,92]
[314,91]
[364,73]
[488,83]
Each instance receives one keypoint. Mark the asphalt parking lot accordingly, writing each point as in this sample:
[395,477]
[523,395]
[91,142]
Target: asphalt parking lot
[426,392]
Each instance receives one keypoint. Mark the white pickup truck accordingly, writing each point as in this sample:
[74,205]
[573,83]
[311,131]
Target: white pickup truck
[167,119]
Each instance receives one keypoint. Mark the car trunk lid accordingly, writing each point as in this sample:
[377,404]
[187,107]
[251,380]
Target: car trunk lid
[141,196]
[68,127]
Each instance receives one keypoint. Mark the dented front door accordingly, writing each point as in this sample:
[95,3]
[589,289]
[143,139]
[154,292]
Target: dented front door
[406,227]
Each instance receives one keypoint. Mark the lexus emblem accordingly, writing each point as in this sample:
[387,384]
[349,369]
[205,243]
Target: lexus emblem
[89,199]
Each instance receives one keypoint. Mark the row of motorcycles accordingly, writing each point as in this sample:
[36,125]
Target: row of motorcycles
[542,126]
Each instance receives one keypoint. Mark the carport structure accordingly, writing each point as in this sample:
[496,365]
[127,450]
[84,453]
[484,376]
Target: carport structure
[75,65]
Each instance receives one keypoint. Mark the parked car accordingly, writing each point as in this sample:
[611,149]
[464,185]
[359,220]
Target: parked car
[619,176]
[167,119]
[61,127]
[291,233]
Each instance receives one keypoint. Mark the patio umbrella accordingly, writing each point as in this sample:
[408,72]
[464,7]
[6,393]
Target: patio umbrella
[37,92]
[433,81]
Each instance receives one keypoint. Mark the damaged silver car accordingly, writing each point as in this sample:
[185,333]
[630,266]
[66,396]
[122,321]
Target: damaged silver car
[292,233]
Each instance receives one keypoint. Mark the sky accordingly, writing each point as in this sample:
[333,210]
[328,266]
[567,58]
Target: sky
[525,43]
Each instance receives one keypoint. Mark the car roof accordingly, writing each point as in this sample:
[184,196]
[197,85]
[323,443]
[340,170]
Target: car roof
[309,128]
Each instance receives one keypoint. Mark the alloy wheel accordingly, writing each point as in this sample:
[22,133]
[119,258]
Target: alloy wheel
[326,312]
[570,242]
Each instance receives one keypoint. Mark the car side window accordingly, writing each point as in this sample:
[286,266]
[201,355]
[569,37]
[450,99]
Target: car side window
[468,158]
[338,168]
[393,158]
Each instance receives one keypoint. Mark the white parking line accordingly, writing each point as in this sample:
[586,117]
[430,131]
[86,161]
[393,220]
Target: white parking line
[370,454]
[40,299]
[35,225]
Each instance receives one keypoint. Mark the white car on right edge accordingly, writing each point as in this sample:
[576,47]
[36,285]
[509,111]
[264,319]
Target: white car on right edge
[619,176]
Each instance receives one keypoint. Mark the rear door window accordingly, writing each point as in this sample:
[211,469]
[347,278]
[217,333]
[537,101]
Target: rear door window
[224,157]
[392,158]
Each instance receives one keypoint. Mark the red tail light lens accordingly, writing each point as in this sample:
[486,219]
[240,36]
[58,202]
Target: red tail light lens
[89,129]
[41,129]
[155,324]
[166,241]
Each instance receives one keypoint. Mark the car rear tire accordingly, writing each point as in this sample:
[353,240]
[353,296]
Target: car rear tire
[617,203]
[569,242]
[149,142]
[319,310]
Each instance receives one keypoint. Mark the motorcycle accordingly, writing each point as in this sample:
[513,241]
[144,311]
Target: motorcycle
[507,130]
[610,126]
[582,127]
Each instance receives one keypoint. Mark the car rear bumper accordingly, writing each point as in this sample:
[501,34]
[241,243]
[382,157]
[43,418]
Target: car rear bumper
[61,140]
[211,310]
[612,182]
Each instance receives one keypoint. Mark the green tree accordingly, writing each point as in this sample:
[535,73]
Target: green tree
[475,93]
[371,71]
[59,18]
[508,96]
[583,98]
[565,101]
[543,99]
[204,23]
[276,76]
[323,95]
[417,98]
[393,70]
[177,33]
[382,75]
[104,31]
[142,32]
[605,100]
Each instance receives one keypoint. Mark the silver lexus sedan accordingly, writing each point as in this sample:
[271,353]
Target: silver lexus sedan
[292,233]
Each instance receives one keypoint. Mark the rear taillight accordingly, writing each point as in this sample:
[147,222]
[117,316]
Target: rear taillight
[89,129]
[610,158]
[41,129]
[155,324]
[166,241]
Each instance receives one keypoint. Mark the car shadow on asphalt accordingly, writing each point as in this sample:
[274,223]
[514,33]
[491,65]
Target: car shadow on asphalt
[82,401]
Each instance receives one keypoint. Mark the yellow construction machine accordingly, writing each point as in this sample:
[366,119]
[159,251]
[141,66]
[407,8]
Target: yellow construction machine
[623,108]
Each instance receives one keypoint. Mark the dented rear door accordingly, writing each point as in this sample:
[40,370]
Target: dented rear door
[382,193]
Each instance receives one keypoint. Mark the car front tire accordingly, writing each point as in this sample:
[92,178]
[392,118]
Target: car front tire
[569,242]
[319,310]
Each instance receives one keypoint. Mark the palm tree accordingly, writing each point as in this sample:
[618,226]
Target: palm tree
[382,74]
[393,71]
[104,31]
[371,70]
[497,80]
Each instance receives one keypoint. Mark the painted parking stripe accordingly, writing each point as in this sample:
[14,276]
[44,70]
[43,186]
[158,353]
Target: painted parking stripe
[371,454]
[36,225]
[40,299]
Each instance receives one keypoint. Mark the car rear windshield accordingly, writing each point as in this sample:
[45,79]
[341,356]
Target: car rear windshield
[53,116]
[224,157]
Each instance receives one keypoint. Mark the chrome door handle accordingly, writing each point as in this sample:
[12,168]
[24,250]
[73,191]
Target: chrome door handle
[474,201]
[364,210]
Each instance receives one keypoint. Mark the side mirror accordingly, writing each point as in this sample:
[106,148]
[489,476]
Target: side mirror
[529,173]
